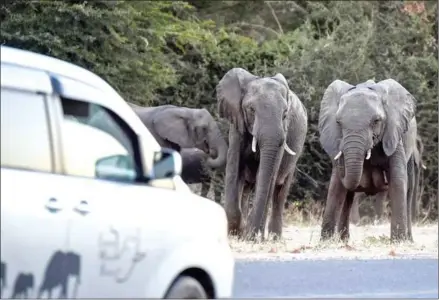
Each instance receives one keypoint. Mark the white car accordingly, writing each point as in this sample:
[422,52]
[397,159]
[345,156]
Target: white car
[91,205]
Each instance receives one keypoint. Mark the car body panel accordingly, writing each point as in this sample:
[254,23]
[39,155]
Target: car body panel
[167,228]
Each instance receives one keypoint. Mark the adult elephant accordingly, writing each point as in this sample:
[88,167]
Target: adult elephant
[268,125]
[179,127]
[369,131]
[195,170]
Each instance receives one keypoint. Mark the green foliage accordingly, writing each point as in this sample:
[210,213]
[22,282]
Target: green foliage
[159,52]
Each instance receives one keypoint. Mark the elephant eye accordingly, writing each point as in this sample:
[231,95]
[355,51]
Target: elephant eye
[251,110]
[376,121]
[284,116]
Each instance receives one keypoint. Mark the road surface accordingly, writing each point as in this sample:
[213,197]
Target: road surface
[380,278]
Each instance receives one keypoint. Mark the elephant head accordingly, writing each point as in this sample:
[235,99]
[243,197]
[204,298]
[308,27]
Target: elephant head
[257,105]
[354,119]
[192,128]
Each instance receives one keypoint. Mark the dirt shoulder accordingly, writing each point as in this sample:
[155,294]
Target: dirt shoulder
[366,242]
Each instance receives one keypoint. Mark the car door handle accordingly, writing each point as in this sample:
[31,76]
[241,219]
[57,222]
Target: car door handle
[53,205]
[82,208]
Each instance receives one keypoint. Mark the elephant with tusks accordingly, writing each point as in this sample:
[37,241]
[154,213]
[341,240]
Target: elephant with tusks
[369,131]
[268,125]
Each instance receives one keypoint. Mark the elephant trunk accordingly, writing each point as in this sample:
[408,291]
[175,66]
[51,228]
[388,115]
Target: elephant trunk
[218,150]
[270,150]
[354,151]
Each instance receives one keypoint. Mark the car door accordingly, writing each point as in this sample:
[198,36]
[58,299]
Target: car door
[107,233]
[34,218]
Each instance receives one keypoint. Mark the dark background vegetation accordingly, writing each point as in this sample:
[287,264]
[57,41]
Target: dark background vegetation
[175,52]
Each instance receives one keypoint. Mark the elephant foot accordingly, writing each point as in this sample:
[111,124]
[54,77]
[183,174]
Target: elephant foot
[410,237]
[234,220]
[344,235]
[235,231]
[398,235]
[275,230]
[250,233]
[326,234]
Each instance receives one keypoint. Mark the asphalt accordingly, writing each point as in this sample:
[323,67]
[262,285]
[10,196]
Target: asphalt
[384,278]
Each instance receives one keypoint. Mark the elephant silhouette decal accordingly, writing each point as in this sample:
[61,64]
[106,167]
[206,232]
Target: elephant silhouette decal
[2,278]
[23,283]
[118,261]
[60,267]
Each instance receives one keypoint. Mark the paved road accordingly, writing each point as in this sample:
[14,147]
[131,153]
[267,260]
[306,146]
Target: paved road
[407,278]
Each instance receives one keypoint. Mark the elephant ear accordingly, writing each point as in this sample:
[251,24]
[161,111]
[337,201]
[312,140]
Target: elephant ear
[330,134]
[172,124]
[281,78]
[229,92]
[400,107]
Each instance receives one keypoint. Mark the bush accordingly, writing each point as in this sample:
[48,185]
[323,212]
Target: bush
[157,53]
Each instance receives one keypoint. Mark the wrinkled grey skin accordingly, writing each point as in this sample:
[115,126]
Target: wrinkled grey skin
[262,110]
[382,196]
[182,127]
[354,119]
[196,171]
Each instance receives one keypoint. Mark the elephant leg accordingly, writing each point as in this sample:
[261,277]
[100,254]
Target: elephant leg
[279,199]
[245,200]
[355,209]
[336,196]
[217,195]
[410,188]
[380,199]
[233,174]
[398,194]
[63,294]
[216,188]
[205,187]
[343,225]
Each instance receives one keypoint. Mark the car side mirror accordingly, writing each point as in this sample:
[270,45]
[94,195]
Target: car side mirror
[167,164]
[116,167]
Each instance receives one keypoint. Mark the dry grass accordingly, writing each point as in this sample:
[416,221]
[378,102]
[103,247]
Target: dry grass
[371,242]
[301,236]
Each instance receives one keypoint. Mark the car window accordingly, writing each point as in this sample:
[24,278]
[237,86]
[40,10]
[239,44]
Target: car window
[25,137]
[97,143]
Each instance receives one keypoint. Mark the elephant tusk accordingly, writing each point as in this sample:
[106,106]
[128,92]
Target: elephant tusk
[424,167]
[254,144]
[369,152]
[289,151]
[338,155]
[385,178]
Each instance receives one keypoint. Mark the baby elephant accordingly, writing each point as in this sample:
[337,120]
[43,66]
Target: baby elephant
[182,127]
[195,170]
